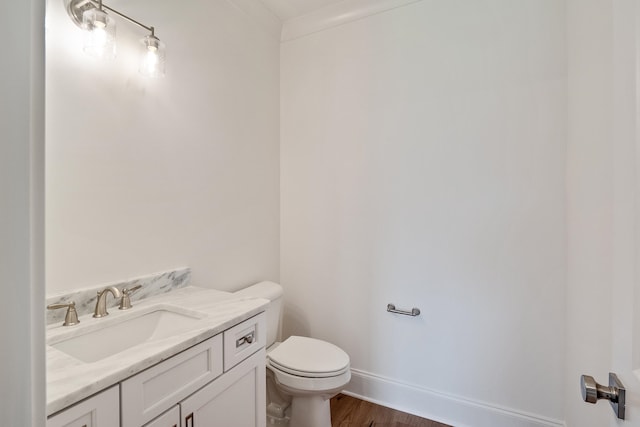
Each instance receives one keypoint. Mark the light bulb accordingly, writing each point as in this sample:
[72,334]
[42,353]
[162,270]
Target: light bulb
[100,34]
[152,57]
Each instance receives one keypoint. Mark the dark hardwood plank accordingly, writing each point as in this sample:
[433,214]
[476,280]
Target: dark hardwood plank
[347,411]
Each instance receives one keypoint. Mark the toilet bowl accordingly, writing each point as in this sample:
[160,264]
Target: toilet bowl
[302,373]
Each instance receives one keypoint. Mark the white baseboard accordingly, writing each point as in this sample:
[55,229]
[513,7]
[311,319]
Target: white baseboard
[445,408]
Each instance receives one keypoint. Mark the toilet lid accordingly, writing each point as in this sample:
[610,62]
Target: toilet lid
[309,357]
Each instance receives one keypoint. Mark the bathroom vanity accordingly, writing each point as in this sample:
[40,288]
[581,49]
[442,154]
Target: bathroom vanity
[190,358]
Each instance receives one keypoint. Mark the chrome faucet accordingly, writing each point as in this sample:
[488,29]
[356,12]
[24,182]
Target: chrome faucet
[101,303]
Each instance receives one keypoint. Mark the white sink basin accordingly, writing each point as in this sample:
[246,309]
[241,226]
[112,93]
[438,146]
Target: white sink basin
[119,335]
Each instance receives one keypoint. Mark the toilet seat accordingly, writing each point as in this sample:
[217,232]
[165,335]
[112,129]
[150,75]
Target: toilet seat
[305,374]
[309,358]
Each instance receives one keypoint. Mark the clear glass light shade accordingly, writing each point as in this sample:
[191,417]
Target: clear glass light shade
[99,34]
[152,57]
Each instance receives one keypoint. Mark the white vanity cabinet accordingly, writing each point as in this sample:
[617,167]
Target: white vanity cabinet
[235,399]
[219,382]
[100,410]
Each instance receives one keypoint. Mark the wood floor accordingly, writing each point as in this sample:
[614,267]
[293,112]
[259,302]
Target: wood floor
[347,411]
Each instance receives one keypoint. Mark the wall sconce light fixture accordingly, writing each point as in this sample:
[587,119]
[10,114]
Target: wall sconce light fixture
[100,35]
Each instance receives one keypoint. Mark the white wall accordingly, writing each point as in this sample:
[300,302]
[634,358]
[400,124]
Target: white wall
[147,175]
[423,163]
[22,377]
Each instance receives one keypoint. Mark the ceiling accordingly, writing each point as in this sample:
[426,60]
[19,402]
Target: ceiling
[288,9]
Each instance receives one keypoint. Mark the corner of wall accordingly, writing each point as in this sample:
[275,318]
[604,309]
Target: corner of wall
[337,14]
[259,12]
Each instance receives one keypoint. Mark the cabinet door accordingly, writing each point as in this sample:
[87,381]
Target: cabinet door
[101,410]
[236,399]
[171,418]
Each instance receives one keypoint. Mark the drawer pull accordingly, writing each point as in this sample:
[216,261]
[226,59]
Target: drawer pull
[188,421]
[246,339]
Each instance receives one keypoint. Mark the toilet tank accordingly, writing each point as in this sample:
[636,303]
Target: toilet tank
[273,292]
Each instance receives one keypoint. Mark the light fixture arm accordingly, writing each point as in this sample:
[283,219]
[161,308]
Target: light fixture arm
[75,9]
[122,15]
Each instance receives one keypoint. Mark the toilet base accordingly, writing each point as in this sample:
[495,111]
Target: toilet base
[310,411]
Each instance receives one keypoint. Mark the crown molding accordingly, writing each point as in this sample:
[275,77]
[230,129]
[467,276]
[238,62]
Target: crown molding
[336,14]
[257,11]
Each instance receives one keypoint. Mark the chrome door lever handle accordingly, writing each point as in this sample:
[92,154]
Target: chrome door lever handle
[615,393]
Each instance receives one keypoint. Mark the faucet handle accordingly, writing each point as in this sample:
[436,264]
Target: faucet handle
[71,318]
[125,301]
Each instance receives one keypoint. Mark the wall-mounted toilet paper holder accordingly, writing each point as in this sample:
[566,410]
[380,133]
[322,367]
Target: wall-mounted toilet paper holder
[414,311]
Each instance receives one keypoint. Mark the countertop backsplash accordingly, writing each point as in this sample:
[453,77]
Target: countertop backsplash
[85,298]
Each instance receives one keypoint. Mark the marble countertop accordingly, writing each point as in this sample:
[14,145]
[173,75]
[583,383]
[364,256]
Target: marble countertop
[70,380]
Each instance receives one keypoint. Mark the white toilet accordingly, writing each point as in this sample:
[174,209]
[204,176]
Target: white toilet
[302,373]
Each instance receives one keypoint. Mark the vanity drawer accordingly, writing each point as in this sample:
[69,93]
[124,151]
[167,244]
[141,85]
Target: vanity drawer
[243,340]
[151,392]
